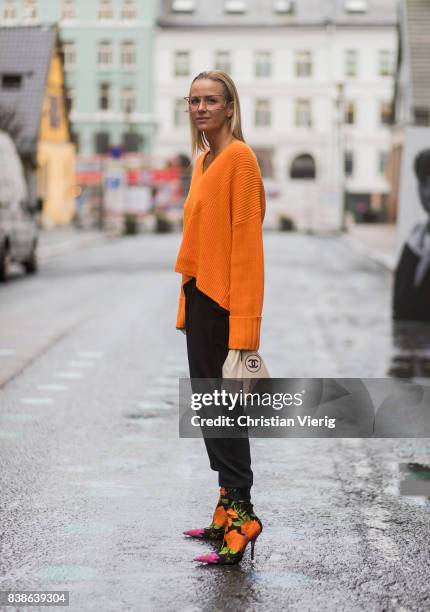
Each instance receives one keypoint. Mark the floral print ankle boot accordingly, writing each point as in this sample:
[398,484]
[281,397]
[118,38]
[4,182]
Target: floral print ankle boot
[243,526]
[215,531]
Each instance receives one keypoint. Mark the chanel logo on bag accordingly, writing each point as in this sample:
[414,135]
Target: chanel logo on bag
[253,363]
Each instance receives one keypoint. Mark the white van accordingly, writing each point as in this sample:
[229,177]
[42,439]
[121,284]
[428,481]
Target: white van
[18,227]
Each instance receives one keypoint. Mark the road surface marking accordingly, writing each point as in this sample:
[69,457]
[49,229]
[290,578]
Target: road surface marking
[9,435]
[37,401]
[80,364]
[16,416]
[91,354]
[50,387]
[68,374]
[7,352]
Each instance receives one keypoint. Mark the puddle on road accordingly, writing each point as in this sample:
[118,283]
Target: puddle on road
[280,579]
[291,533]
[88,528]
[102,488]
[150,405]
[415,481]
[59,573]
[143,438]
[124,462]
[9,435]
[19,417]
[411,350]
[78,469]
[167,381]
[150,410]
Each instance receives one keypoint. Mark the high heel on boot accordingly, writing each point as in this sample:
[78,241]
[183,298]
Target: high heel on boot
[243,526]
[216,529]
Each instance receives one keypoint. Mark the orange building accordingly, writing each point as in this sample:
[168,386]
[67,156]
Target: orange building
[32,85]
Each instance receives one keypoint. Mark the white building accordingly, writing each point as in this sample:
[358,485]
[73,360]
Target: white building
[295,64]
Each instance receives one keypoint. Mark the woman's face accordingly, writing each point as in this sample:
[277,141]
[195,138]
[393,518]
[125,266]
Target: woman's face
[209,109]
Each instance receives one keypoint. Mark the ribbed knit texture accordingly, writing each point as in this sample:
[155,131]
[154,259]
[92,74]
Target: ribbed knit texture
[222,243]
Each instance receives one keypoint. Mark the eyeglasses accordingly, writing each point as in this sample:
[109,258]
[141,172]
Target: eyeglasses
[212,103]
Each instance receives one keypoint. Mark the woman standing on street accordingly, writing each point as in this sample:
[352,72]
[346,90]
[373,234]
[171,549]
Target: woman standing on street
[221,297]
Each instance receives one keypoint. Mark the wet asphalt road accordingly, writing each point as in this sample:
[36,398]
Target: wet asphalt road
[96,487]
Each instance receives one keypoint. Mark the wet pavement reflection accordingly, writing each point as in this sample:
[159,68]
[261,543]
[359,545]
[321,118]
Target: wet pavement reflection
[411,350]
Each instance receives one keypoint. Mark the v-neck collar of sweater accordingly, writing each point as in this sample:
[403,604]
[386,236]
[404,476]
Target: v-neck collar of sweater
[202,170]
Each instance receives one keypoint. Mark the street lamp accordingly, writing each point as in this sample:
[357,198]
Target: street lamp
[340,120]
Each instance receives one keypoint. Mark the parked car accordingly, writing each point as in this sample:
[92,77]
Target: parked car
[18,223]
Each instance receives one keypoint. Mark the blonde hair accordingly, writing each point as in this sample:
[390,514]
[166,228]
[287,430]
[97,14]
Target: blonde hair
[198,139]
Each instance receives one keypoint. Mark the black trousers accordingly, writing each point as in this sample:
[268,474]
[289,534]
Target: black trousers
[207,327]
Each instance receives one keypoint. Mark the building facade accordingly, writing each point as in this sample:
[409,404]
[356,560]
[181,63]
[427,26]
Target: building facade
[108,62]
[315,81]
[412,86]
[32,96]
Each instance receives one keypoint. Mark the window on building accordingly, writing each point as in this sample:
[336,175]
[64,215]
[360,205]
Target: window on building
[129,9]
[75,140]
[422,115]
[102,142]
[303,113]
[350,112]
[265,161]
[132,142]
[128,54]
[283,6]
[348,163]
[180,116]
[70,99]
[382,162]
[104,54]
[351,63]
[30,9]
[263,64]
[303,63]
[105,9]
[128,100]
[11,81]
[223,61]
[68,10]
[182,63]
[385,113]
[262,116]
[54,112]
[104,97]
[303,167]
[183,6]
[9,11]
[356,6]
[69,49]
[235,6]
[385,62]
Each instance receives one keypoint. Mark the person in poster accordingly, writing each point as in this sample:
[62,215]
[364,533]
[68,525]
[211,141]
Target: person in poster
[411,296]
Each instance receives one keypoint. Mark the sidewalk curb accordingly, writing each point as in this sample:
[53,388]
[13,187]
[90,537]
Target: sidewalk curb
[383,259]
[50,251]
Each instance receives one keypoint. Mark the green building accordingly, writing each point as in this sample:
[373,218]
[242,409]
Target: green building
[108,46]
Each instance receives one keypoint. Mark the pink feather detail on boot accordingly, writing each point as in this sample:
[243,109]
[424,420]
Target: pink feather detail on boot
[209,558]
[195,533]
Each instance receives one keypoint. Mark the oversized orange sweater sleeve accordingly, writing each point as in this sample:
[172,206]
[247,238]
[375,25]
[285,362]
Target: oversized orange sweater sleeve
[247,259]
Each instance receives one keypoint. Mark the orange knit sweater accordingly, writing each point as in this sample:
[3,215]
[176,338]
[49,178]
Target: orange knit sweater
[222,243]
